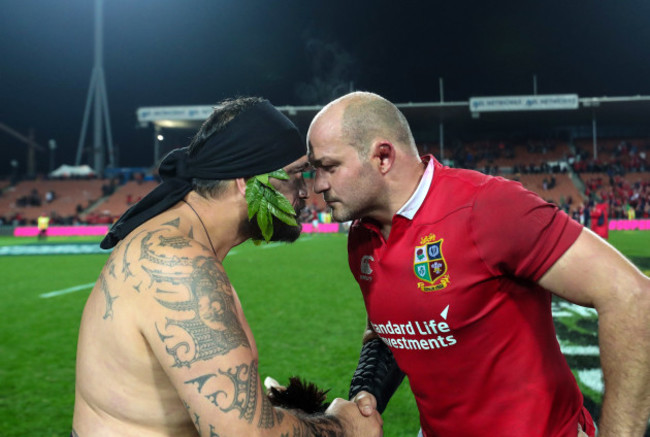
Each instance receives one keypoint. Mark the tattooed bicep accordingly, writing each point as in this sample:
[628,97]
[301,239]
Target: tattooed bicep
[200,318]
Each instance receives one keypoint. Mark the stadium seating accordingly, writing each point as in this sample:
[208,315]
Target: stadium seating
[563,191]
[620,191]
[125,196]
[506,155]
[528,160]
[615,154]
[27,198]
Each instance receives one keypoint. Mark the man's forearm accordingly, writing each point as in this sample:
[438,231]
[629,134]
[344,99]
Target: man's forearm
[376,373]
[624,334]
[317,425]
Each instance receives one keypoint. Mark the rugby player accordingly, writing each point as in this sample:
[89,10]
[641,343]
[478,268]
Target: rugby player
[457,269]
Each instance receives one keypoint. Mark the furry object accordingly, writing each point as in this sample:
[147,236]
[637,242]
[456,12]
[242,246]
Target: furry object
[299,395]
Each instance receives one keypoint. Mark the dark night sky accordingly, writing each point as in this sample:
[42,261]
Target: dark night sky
[189,52]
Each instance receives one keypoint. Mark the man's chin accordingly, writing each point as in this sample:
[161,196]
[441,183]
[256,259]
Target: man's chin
[338,215]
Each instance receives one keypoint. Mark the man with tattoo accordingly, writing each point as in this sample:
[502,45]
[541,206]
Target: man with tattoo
[164,348]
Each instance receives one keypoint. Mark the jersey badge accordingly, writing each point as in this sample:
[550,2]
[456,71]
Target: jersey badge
[365,268]
[429,264]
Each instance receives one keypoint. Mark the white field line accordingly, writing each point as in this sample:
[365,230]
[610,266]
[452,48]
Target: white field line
[66,290]
[592,378]
[585,351]
[566,309]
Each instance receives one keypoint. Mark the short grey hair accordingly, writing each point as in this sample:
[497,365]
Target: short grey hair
[367,116]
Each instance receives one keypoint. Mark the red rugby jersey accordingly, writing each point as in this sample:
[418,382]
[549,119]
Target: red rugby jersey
[453,294]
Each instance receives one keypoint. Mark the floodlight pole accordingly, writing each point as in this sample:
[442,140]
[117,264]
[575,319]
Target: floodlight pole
[97,95]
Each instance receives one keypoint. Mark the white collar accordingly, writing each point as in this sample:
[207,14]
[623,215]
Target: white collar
[417,198]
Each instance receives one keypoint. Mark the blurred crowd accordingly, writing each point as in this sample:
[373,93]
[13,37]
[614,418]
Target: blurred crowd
[607,180]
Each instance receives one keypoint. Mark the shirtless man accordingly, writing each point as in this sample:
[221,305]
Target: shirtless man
[164,347]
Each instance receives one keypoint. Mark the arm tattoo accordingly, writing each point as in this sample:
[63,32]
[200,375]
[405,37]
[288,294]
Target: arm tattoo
[175,223]
[318,425]
[161,259]
[125,262]
[214,328]
[269,415]
[111,267]
[244,380]
[244,394]
[196,416]
[196,421]
[107,295]
[126,265]
[243,398]
[177,242]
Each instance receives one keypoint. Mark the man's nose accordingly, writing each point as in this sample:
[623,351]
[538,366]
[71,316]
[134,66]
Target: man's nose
[320,184]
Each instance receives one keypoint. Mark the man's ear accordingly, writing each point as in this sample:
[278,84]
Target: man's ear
[241,185]
[383,152]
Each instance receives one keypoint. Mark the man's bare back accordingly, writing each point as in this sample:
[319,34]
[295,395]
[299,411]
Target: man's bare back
[164,348]
[156,283]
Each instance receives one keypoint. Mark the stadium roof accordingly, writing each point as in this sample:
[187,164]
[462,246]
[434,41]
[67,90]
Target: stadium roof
[458,118]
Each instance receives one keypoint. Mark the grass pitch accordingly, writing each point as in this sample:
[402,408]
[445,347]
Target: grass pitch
[301,302]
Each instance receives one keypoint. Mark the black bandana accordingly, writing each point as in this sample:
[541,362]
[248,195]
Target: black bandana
[257,141]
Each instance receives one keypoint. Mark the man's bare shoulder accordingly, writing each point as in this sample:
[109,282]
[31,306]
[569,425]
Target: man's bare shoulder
[156,298]
[159,245]
[162,268]
[155,252]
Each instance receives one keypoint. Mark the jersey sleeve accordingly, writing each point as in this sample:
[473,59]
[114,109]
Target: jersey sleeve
[518,233]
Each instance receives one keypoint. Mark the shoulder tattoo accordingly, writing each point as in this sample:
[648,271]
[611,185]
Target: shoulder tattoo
[203,307]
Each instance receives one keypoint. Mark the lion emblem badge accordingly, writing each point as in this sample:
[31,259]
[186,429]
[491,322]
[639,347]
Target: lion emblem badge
[429,264]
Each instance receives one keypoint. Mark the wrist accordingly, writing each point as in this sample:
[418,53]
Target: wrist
[377,373]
